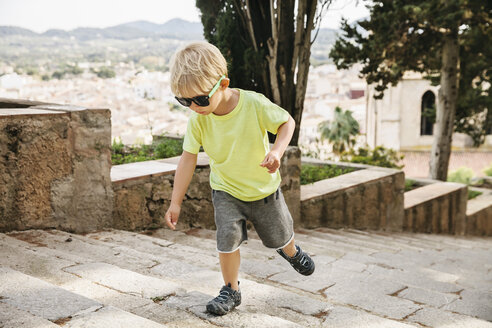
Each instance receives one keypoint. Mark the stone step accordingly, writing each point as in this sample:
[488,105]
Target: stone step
[411,261]
[11,317]
[297,304]
[50,302]
[342,317]
[419,240]
[359,239]
[84,249]
[125,281]
[40,298]
[109,317]
[343,244]
[336,250]
[382,237]
[56,240]
[123,271]
[48,265]
[145,243]
[320,284]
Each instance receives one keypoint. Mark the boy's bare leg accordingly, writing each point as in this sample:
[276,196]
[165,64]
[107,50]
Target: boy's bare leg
[290,248]
[229,264]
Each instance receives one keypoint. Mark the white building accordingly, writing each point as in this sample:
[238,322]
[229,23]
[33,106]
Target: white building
[396,121]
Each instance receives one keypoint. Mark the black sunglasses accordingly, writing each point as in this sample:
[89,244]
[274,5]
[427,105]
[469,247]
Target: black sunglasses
[202,101]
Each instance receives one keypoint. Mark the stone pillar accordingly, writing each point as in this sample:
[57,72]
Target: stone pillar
[55,166]
[83,200]
[290,170]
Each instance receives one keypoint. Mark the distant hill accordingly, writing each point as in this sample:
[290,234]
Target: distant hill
[14,30]
[173,29]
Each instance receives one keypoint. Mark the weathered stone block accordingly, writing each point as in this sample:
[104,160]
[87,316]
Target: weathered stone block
[56,162]
[371,206]
[436,208]
[362,193]
[479,216]
[131,211]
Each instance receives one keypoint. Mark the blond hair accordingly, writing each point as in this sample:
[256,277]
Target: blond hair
[196,68]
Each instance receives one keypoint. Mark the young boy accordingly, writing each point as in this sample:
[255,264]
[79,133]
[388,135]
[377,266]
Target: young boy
[232,125]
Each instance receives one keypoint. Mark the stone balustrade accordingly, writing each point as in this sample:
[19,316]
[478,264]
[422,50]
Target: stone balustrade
[479,216]
[365,199]
[436,208]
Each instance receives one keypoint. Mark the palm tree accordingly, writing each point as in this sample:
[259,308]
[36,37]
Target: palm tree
[341,132]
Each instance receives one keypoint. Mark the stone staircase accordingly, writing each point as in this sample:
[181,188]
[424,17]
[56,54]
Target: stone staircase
[163,278]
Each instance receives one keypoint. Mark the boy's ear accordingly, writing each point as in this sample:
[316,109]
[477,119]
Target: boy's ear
[225,82]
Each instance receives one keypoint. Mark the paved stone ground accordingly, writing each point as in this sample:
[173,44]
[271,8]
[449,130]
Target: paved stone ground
[163,278]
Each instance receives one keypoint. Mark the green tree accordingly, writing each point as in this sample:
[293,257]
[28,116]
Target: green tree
[267,45]
[106,72]
[449,41]
[341,132]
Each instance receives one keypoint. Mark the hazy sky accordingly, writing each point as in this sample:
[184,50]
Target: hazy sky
[41,15]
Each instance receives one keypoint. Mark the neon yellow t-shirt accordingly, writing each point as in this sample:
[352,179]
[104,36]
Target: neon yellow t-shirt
[237,143]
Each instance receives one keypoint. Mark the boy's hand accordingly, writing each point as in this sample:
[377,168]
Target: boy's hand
[271,162]
[172,215]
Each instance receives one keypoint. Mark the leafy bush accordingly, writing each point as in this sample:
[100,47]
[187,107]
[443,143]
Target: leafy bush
[410,184]
[106,72]
[122,154]
[462,175]
[379,156]
[313,173]
[472,194]
[169,148]
[488,171]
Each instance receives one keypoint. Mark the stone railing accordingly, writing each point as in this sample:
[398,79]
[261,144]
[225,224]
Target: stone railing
[55,166]
[143,191]
[479,215]
[368,198]
[443,207]
[436,208]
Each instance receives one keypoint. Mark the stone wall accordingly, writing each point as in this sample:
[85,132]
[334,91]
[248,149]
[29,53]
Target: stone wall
[143,192]
[479,216]
[141,202]
[54,167]
[369,198]
[436,208]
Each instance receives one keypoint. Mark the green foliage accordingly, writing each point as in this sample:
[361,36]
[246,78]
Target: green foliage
[122,154]
[58,75]
[472,194]
[488,171]
[106,72]
[266,53]
[405,36]
[341,132]
[168,148]
[313,173]
[462,175]
[74,70]
[379,156]
[222,26]
[410,184]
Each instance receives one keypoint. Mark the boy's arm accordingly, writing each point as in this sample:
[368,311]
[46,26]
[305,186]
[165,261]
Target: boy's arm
[284,135]
[182,179]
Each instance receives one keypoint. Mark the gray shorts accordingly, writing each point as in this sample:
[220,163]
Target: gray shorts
[270,217]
